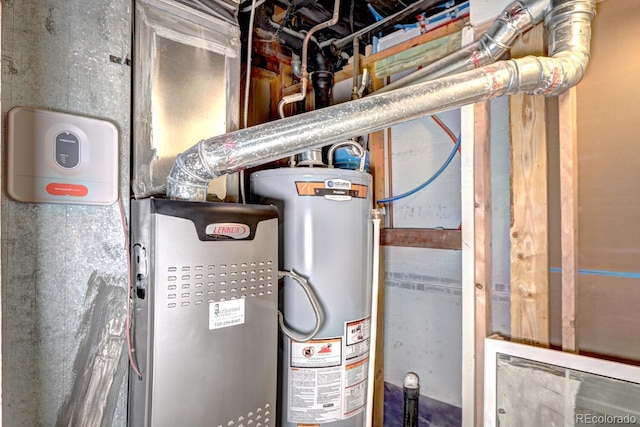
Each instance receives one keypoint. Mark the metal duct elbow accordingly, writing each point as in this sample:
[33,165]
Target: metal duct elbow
[569,25]
[515,20]
[191,174]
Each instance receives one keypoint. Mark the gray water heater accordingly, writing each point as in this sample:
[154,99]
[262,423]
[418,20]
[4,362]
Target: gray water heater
[326,236]
[205,279]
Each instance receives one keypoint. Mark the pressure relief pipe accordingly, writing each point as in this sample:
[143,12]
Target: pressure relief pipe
[411,393]
[569,24]
[376,218]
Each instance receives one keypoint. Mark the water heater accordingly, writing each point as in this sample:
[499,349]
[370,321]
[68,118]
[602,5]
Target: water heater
[325,236]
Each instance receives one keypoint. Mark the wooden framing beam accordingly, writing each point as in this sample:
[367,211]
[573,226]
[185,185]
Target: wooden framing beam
[369,61]
[417,56]
[484,259]
[273,81]
[569,217]
[376,156]
[422,238]
[529,217]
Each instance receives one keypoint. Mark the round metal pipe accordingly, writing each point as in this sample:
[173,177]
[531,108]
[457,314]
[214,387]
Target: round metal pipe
[516,19]
[305,51]
[196,167]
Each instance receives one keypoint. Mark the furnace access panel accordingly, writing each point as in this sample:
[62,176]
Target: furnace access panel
[205,279]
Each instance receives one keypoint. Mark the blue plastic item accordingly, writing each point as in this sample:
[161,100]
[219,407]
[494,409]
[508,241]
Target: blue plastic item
[345,158]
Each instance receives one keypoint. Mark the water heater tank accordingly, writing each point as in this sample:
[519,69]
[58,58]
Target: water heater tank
[325,233]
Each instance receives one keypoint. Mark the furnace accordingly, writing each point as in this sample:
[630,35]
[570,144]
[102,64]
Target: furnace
[205,278]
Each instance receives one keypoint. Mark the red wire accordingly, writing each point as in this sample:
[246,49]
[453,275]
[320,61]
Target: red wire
[448,131]
[451,135]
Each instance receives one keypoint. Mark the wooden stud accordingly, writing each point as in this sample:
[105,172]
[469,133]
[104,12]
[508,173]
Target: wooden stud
[529,241]
[569,217]
[421,238]
[376,155]
[262,78]
[483,264]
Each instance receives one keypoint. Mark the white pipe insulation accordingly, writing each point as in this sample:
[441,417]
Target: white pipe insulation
[569,25]
[373,336]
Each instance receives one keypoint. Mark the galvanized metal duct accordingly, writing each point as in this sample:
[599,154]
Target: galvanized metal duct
[569,24]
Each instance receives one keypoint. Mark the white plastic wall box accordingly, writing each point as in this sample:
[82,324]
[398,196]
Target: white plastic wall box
[57,157]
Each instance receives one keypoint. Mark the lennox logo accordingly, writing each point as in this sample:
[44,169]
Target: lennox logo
[228,229]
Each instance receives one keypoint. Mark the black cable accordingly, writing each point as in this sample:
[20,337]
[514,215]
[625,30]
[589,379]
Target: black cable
[351,13]
[283,22]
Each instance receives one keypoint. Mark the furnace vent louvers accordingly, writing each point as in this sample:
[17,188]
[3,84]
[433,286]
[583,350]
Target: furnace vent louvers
[192,286]
[569,23]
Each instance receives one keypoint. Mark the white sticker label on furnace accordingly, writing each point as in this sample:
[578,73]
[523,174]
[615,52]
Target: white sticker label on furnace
[223,314]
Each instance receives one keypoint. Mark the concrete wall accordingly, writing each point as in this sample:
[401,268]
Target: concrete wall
[64,266]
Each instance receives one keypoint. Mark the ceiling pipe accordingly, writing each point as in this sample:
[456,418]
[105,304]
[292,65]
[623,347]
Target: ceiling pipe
[381,25]
[569,24]
[305,49]
[516,19]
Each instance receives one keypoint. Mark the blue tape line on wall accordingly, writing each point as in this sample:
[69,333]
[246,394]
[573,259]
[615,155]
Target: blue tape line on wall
[618,274]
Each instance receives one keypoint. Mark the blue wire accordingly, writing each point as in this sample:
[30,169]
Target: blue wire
[375,13]
[430,180]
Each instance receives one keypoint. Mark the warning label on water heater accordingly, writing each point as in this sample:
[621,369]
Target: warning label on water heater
[358,336]
[315,381]
[328,377]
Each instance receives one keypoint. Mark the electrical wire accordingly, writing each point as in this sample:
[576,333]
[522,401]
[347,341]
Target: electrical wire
[315,304]
[287,15]
[428,181]
[451,135]
[247,85]
[352,9]
[252,6]
[446,129]
[130,350]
